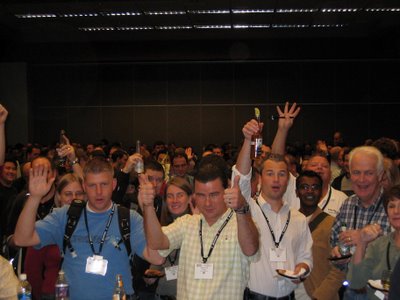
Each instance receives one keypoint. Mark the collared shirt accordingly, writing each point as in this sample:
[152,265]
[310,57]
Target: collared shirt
[332,201]
[231,266]
[375,213]
[297,240]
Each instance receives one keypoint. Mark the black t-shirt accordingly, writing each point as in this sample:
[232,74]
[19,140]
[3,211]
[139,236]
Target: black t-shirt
[7,197]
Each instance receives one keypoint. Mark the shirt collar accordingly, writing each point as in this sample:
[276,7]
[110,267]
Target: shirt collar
[264,204]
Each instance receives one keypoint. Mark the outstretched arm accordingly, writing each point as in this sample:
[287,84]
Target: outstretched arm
[39,185]
[247,231]
[3,118]
[156,239]
[286,118]
[243,162]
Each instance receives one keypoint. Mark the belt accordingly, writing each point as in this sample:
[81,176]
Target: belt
[250,295]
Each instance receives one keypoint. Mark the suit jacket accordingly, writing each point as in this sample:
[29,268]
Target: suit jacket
[325,280]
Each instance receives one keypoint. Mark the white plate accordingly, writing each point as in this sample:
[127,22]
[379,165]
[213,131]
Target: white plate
[377,285]
[290,274]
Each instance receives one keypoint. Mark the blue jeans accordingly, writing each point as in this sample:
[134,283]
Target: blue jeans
[350,294]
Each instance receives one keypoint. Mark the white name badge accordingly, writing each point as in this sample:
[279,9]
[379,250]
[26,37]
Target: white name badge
[96,264]
[171,273]
[277,254]
[203,271]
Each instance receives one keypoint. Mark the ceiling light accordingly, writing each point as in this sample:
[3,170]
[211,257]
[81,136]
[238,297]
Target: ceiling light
[96,28]
[134,28]
[33,16]
[120,14]
[160,13]
[252,11]
[340,10]
[253,26]
[388,9]
[296,10]
[290,25]
[328,25]
[210,12]
[78,15]
[212,26]
[173,27]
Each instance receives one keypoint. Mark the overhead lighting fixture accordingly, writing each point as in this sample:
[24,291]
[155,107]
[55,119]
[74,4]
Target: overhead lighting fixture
[93,29]
[174,27]
[134,28]
[296,10]
[161,13]
[209,12]
[120,14]
[252,11]
[290,25]
[340,10]
[328,25]
[252,26]
[212,26]
[388,9]
[35,16]
[78,15]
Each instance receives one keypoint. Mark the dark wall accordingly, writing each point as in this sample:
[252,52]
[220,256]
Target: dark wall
[195,103]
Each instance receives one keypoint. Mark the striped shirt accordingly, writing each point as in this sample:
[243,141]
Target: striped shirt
[230,265]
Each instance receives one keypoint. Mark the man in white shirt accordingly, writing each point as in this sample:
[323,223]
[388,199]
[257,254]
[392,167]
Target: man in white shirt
[285,239]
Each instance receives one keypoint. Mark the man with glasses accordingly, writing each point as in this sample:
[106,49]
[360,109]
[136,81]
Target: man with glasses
[216,246]
[324,280]
[285,240]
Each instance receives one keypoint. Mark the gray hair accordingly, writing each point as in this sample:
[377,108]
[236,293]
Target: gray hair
[370,151]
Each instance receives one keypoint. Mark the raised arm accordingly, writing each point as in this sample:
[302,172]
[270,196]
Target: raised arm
[248,235]
[3,118]
[156,239]
[39,185]
[286,118]
[243,162]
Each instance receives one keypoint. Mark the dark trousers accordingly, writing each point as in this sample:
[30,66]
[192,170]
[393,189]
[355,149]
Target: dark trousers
[250,295]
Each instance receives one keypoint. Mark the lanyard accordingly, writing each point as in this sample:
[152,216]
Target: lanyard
[387,256]
[329,198]
[370,219]
[215,238]
[103,238]
[169,257]
[270,228]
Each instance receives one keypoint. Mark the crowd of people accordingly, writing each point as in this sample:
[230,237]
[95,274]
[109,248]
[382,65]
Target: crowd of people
[313,222]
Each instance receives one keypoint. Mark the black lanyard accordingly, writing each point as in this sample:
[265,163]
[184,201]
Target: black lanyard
[370,219]
[387,256]
[103,238]
[329,198]
[215,238]
[169,257]
[270,228]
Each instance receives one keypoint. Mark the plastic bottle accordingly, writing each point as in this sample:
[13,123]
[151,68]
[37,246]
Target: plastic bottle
[256,139]
[139,167]
[343,248]
[24,288]
[119,291]
[61,287]
[63,141]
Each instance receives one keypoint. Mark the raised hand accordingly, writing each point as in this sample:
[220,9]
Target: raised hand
[3,114]
[233,196]
[251,128]
[147,192]
[370,233]
[39,182]
[131,162]
[287,116]
[189,153]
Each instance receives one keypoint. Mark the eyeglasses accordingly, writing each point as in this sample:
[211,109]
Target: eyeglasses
[307,188]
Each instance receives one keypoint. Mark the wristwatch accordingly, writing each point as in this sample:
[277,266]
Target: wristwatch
[75,161]
[244,210]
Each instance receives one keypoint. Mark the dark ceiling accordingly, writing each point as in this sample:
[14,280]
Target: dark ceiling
[54,25]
